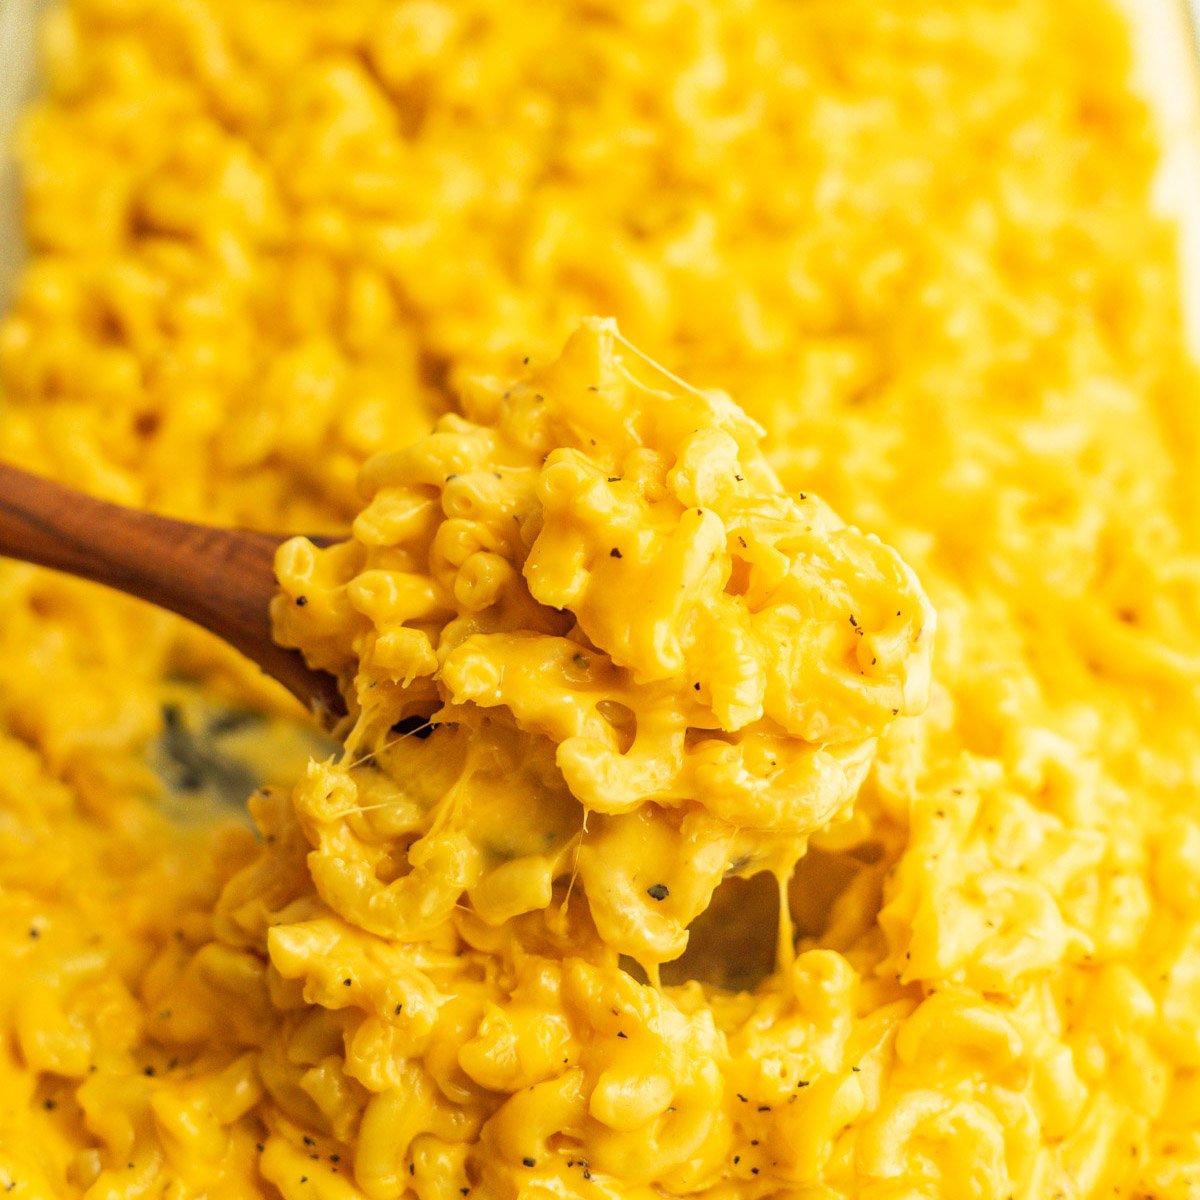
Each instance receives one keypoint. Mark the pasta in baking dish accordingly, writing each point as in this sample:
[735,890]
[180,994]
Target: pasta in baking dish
[675,849]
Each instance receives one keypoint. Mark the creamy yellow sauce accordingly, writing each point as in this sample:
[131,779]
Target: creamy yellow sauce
[273,242]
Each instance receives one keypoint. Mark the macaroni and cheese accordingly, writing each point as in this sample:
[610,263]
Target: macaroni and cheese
[274,244]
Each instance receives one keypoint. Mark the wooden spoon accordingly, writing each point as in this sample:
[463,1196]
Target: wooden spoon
[222,579]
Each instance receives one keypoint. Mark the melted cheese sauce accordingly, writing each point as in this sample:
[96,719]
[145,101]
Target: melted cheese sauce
[272,240]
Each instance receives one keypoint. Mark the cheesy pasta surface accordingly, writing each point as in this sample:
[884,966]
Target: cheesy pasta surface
[627,699]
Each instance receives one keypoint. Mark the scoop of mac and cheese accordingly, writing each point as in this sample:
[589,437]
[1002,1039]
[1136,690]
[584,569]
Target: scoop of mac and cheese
[632,658]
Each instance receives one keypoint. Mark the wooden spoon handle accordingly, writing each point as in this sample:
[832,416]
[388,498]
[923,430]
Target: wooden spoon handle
[222,579]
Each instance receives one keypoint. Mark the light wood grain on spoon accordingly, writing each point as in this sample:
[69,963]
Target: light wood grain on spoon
[222,579]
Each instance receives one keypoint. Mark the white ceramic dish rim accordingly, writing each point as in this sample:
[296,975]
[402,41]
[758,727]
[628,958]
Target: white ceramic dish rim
[1167,55]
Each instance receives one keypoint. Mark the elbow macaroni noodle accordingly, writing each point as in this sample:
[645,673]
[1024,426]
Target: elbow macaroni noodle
[273,244]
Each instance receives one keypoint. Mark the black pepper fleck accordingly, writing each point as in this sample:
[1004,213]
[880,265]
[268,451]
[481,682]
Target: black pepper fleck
[529,1162]
[614,553]
[301,601]
[658,891]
